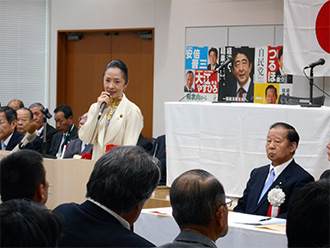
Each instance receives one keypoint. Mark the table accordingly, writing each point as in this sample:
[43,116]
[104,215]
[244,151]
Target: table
[163,229]
[228,139]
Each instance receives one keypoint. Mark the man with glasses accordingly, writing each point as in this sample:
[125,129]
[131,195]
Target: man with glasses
[199,208]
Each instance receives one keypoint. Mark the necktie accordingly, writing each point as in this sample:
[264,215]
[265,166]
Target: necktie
[240,95]
[267,184]
[3,146]
[64,142]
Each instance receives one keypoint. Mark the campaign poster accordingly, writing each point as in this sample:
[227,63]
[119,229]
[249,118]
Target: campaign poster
[201,83]
[266,93]
[238,85]
[260,61]
[206,82]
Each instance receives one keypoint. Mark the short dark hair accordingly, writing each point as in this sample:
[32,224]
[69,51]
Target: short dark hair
[19,102]
[195,197]
[190,72]
[30,113]
[21,173]
[28,224]
[270,87]
[213,50]
[9,113]
[120,65]
[123,177]
[66,109]
[292,134]
[243,50]
[308,216]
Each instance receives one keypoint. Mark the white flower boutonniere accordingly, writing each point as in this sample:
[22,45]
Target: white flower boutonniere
[275,197]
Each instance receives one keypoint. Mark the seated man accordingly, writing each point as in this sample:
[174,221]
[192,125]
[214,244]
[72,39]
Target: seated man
[308,216]
[29,224]
[67,130]
[23,176]
[8,135]
[283,173]
[24,120]
[121,182]
[77,146]
[199,208]
[37,110]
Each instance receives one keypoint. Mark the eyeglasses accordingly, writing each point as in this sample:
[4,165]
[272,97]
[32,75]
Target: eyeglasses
[228,203]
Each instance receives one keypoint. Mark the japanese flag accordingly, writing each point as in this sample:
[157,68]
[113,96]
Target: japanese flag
[306,36]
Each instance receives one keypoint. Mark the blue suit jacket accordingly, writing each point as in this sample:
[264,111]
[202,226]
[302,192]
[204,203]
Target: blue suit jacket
[292,178]
[88,225]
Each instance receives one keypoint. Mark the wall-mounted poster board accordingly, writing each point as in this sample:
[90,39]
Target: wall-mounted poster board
[255,73]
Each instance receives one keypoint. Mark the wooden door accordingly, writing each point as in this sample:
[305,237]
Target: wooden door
[81,64]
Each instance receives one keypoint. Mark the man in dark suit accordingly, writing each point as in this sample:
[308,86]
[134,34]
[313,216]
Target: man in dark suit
[189,86]
[67,130]
[23,176]
[121,182]
[199,208]
[283,173]
[243,88]
[213,58]
[8,135]
[40,119]
[77,146]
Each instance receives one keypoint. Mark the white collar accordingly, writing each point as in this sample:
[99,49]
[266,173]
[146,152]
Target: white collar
[121,220]
[39,131]
[279,168]
[7,140]
[245,87]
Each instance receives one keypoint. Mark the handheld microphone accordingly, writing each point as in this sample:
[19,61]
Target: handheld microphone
[312,65]
[229,59]
[28,138]
[101,109]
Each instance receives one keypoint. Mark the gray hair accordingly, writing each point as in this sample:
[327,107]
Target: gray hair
[123,177]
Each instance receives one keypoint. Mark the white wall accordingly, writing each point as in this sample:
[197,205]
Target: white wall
[170,20]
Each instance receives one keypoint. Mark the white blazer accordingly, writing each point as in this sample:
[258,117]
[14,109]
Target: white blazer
[124,129]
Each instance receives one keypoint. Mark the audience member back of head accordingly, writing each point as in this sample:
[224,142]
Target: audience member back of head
[28,224]
[308,216]
[120,183]
[23,176]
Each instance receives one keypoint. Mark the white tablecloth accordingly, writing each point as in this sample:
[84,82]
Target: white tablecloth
[163,229]
[228,139]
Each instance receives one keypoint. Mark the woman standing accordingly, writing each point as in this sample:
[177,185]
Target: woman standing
[121,121]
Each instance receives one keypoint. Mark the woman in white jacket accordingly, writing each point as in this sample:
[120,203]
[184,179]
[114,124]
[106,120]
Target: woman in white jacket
[121,121]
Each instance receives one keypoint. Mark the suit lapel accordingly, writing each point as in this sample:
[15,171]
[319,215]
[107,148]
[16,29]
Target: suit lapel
[261,178]
[280,182]
[116,121]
